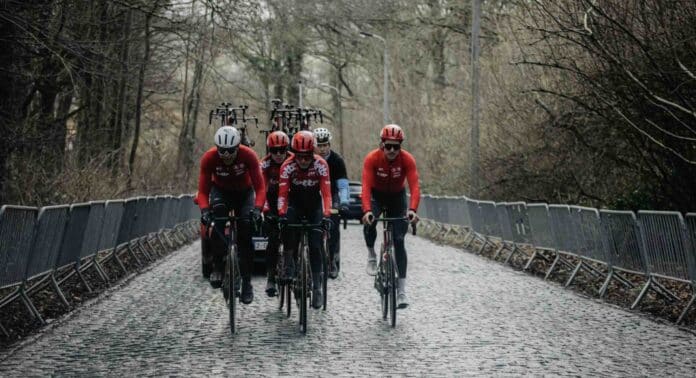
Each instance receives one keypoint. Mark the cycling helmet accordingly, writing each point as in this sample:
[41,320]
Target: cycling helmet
[303,142]
[277,139]
[392,132]
[227,137]
[322,135]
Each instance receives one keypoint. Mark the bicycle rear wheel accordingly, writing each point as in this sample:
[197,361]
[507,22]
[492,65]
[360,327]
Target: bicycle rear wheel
[391,267]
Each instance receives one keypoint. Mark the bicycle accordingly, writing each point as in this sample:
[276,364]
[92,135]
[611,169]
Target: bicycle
[300,284]
[387,272]
[232,277]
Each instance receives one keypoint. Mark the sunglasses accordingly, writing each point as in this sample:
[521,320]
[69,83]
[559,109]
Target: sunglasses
[393,147]
[278,150]
[227,150]
[303,157]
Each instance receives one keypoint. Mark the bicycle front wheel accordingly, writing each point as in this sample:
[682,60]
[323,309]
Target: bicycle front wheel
[304,282]
[232,275]
[392,287]
[325,278]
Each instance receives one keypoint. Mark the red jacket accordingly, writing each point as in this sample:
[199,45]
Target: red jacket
[304,186]
[242,174]
[389,176]
[271,177]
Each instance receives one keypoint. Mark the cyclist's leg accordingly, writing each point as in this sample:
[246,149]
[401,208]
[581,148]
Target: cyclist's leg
[315,257]
[335,244]
[370,231]
[243,203]
[396,207]
[219,207]
[290,241]
[272,232]
[314,216]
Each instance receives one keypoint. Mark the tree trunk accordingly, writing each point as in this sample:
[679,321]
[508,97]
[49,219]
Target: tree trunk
[139,98]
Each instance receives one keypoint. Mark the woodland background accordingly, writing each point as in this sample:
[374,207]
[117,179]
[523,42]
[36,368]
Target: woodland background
[582,101]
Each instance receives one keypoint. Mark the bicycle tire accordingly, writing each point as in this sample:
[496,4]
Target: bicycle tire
[382,286]
[304,273]
[232,274]
[288,299]
[281,295]
[392,286]
[325,277]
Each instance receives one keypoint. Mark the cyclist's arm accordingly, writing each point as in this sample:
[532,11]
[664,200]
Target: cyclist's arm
[256,179]
[342,190]
[412,177]
[367,183]
[263,164]
[204,181]
[283,189]
[325,187]
[341,176]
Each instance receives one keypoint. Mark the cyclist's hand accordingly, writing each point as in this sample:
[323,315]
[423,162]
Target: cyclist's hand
[327,223]
[206,217]
[368,218]
[412,216]
[344,211]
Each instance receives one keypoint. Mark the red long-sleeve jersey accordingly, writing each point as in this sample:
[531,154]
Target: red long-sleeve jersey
[271,177]
[242,174]
[304,186]
[387,176]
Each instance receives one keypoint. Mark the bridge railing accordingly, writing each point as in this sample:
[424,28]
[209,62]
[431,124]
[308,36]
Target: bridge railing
[605,244]
[48,245]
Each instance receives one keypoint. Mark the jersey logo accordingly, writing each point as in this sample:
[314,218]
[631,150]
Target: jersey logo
[307,183]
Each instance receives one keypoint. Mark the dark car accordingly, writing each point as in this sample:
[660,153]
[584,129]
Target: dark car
[355,201]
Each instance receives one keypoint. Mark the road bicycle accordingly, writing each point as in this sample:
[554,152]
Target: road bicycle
[387,273]
[301,283]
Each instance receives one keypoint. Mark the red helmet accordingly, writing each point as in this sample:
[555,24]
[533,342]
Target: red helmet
[392,132]
[277,139]
[303,142]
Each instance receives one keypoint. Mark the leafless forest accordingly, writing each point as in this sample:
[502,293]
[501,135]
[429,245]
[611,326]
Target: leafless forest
[582,101]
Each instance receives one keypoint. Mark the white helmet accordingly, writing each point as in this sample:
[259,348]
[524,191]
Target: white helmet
[227,137]
[322,135]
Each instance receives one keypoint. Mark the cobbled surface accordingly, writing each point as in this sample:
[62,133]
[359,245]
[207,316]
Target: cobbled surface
[468,316]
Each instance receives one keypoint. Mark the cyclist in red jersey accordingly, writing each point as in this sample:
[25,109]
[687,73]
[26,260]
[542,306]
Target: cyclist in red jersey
[385,171]
[305,192]
[230,178]
[277,143]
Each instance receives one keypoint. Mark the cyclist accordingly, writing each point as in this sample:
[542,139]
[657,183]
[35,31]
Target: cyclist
[277,143]
[339,193]
[384,171]
[230,178]
[305,192]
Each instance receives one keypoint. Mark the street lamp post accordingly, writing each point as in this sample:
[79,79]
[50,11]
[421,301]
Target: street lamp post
[385,109]
[339,112]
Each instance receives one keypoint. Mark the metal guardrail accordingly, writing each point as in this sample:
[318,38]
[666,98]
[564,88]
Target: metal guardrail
[53,243]
[605,244]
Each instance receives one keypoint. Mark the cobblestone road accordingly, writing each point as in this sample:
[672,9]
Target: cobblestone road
[469,316]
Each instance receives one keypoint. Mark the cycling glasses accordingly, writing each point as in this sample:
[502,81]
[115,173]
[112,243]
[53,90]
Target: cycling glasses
[278,150]
[226,150]
[390,146]
[304,157]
